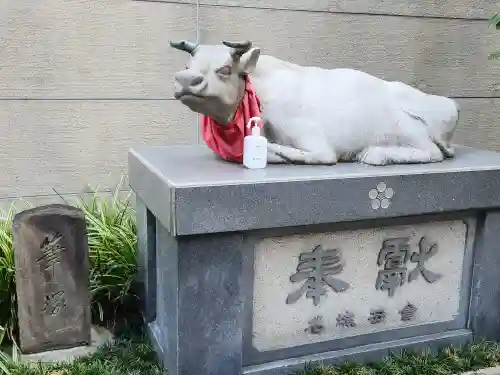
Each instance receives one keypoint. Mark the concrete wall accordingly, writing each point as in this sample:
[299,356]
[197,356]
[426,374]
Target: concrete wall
[82,81]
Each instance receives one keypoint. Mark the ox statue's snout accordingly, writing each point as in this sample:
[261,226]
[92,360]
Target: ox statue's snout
[189,83]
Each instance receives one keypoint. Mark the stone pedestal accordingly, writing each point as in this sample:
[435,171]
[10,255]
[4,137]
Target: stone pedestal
[263,271]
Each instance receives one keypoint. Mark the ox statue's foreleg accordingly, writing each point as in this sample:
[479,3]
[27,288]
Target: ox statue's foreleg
[274,158]
[310,152]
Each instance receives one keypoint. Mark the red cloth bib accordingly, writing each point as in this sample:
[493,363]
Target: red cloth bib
[227,140]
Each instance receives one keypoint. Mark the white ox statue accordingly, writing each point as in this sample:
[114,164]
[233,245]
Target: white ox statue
[319,116]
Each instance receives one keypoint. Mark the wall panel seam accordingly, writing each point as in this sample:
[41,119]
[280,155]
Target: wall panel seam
[68,195]
[27,99]
[373,14]
[169,99]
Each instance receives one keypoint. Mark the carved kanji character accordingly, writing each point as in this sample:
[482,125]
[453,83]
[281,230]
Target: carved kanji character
[317,268]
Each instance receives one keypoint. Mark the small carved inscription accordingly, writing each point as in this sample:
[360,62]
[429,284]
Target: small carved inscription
[377,316]
[317,268]
[394,255]
[346,320]
[54,303]
[408,312]
[316,325]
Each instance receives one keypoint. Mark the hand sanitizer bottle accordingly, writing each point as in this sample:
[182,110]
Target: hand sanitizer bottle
[255,147]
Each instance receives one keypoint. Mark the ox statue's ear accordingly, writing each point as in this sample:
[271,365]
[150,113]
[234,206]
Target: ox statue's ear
[248,60]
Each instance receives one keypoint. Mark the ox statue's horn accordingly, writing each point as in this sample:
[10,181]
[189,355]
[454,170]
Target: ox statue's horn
[238,48]
[184,45]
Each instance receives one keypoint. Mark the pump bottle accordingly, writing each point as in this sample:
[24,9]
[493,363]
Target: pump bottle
[255,147]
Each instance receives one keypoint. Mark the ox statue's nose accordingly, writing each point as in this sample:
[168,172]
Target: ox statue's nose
[190,80]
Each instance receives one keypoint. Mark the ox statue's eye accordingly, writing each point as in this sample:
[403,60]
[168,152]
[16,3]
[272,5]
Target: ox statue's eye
[224,71]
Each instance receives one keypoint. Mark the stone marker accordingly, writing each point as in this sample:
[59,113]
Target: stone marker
[52,268]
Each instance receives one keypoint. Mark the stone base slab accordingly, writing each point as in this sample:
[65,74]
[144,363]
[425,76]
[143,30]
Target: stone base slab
[99,336]
[485,371]
[362,354]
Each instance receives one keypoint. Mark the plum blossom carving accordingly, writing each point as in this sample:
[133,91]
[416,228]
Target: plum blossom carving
[381,196]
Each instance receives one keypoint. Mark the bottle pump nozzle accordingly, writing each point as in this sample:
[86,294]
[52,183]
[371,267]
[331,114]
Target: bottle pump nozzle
[256,128]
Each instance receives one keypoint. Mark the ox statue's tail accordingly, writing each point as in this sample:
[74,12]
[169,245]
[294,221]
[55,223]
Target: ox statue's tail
[444,138]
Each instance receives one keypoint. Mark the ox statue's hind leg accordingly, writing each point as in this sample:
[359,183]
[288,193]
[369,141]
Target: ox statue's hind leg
[383,155]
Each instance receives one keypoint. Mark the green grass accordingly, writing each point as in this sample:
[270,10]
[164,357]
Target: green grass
[132,355]
[450,360]
[8,302]
[112,240]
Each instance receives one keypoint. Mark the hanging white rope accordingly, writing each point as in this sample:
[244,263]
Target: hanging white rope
[197,21]
[197,42]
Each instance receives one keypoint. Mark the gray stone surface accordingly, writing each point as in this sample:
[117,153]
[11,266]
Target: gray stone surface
[485,371]
[52,277]
[146,262]
[192,192]
[199,325]
[210,216]
[485,293]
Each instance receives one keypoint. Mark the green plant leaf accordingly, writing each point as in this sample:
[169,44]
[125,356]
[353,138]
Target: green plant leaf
[495,21]
[3,364]
[494,56]
[4,358]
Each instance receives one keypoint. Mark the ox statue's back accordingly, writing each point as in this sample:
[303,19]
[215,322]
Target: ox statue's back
[319,116]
